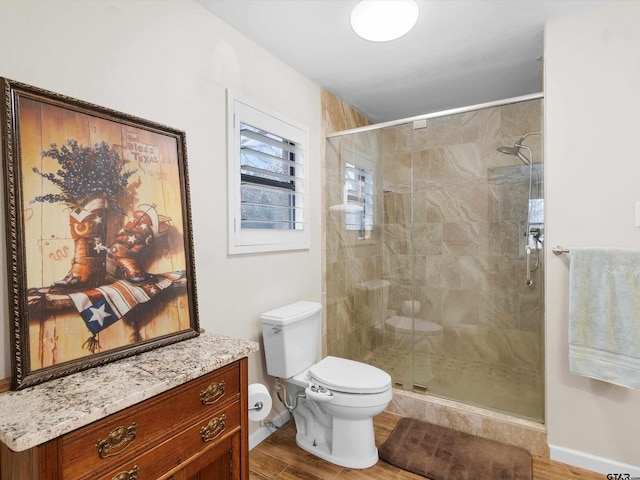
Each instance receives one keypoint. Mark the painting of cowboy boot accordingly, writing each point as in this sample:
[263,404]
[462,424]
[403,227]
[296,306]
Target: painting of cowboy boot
[126,254]
[88,227]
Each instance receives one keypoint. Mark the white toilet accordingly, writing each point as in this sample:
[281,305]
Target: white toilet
[338,397]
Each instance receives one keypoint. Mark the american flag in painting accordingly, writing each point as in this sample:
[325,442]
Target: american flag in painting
[103,306]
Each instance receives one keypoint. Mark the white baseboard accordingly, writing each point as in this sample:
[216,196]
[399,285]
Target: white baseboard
[261,434]
[592,462]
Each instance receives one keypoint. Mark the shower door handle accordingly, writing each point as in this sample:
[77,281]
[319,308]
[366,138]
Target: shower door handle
[528,263]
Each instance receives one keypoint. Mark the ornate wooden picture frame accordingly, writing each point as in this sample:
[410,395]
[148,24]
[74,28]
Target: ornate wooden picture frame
[99,237]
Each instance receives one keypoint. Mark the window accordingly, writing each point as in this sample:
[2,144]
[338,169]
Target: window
[268,202]
[358,196]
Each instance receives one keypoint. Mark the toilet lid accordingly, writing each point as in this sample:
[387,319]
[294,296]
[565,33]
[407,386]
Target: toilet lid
[348,376]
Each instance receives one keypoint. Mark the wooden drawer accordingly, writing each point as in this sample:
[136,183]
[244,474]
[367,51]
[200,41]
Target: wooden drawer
[188,445]
[114,440]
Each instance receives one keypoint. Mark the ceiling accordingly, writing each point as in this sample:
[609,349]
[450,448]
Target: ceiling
[460,53]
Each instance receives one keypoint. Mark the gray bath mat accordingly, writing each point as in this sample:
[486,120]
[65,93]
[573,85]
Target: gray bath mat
[439,453]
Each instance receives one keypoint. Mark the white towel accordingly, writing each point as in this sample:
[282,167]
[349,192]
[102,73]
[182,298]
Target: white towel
[604,315]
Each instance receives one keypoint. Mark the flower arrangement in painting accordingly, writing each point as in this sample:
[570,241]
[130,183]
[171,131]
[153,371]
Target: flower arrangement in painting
[85,174]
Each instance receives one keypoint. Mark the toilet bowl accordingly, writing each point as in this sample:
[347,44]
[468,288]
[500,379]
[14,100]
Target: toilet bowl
[410,331]
[406,332]
[337,398]
[339,427]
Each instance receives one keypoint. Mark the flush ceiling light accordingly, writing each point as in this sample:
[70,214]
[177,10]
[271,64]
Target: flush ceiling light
[384,20]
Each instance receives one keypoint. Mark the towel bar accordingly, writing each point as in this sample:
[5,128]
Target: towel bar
[559,250]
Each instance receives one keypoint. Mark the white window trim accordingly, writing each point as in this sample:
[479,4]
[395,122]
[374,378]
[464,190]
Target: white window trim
[243,241]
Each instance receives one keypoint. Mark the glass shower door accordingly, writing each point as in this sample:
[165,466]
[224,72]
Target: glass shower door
[477,333]
[426,265]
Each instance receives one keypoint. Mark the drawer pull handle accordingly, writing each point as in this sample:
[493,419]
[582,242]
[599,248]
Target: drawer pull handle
[213,429]
[119,437]
[213,393]
[130,475]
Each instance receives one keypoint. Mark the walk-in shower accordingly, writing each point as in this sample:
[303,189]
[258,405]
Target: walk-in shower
[428,225]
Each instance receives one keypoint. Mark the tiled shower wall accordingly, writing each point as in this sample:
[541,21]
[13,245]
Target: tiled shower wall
[450,215]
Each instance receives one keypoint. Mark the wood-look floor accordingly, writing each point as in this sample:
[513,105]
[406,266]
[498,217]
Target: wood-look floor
[278,457]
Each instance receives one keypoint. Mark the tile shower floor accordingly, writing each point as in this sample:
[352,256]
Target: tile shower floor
[505,388]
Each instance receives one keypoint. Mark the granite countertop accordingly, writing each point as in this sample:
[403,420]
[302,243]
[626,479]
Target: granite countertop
[37,414]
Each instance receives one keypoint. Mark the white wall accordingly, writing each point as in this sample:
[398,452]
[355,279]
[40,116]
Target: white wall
[170,61]
[592,93]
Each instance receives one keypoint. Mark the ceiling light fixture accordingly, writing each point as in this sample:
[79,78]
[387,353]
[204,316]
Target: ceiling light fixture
[384,20]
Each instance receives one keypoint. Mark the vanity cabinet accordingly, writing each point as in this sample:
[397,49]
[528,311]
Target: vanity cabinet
[195,431]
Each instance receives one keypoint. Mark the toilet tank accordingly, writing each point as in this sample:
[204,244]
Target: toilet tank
[291,336]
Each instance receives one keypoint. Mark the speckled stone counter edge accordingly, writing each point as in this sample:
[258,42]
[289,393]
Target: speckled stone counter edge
[43,412]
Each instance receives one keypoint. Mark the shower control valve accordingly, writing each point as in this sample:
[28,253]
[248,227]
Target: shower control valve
[318,393]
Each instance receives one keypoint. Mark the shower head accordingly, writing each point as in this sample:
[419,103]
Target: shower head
[515,150]
[510,150]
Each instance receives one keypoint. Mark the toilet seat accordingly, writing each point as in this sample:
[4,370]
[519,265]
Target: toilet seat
[348,376]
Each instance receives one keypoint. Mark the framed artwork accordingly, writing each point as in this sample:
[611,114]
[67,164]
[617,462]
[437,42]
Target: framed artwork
[98,229]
